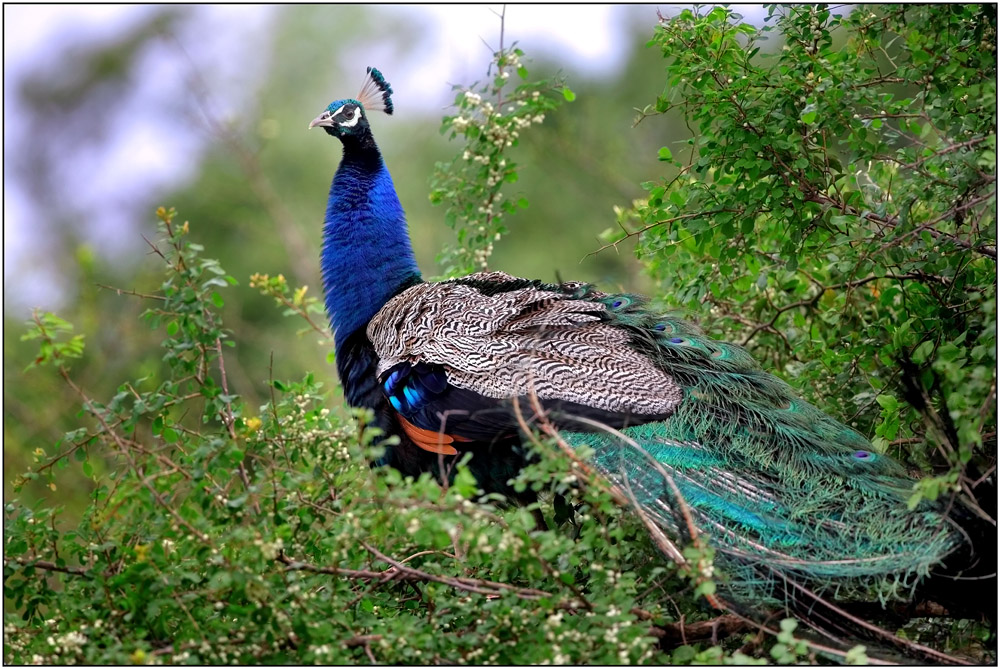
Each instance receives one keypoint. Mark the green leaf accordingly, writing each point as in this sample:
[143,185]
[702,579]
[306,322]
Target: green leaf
[568,94]
[887,402]
[665,154]
[921,353]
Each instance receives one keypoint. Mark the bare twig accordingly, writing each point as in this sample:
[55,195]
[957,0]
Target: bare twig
[125,452]
[49,566]
[401,572]
[656,224]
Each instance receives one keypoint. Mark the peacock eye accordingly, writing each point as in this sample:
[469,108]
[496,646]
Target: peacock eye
[350,114]
[660,327]
[676,340]
[862,455]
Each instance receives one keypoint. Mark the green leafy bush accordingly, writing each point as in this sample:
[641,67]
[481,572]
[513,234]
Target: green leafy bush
[221,533]
[835,210]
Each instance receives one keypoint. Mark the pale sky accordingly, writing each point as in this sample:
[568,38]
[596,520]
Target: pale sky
[130,166]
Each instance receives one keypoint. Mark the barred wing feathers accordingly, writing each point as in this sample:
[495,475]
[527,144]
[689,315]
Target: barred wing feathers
[535,338]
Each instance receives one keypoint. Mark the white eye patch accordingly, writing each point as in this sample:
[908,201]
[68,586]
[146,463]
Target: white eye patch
[353,121]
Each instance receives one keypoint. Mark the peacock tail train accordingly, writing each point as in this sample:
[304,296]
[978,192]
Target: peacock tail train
[781,490]
[785,494]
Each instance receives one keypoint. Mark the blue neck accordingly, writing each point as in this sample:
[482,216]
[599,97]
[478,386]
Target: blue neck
[367,257]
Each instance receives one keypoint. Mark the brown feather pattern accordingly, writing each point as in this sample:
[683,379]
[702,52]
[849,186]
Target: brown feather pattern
[519,341]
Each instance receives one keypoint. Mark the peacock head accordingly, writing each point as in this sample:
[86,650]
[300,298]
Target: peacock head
[346,118]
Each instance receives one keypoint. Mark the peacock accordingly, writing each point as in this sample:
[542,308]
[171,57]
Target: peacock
[795,504]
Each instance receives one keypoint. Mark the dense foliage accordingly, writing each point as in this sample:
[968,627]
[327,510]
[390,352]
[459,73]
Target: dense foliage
[834,210]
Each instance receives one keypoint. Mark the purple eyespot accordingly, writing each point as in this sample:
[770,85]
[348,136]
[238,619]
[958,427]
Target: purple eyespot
[676,340]
[616,304]
[862,455]
[660,327]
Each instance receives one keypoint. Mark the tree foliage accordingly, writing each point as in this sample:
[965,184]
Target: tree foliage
[834,209]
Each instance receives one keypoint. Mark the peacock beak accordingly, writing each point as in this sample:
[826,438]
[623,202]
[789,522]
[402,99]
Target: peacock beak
[324,119]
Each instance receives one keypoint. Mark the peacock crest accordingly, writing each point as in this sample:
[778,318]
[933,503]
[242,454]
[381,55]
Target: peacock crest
[376,93]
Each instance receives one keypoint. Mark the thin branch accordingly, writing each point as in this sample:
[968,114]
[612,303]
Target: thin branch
[49,566]
[667,221]
[125,451]
[133,292]
[401,572]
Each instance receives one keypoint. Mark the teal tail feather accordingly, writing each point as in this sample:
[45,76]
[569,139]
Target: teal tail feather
[780,489]
[845,533]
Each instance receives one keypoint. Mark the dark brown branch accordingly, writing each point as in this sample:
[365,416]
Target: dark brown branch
[810,302]
[681,633]
[49,566]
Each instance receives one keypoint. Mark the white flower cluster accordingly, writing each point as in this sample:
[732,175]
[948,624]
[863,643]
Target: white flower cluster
[481,256]
[510,541]
[496,176]
[322,650]
[14,641]
[512,60]
[269,549]
[814,27]
[525,121]
[483,544]
[706,568]
[476,158]
[500,136]
[68,644]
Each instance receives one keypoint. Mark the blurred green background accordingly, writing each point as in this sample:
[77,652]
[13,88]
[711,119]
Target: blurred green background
[119,110]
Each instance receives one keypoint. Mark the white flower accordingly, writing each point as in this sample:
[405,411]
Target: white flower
[270,549]
[71,642]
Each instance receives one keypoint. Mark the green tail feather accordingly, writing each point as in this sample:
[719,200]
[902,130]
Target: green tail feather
[778,487]
[821,519]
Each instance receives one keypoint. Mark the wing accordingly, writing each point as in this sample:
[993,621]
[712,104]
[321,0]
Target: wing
[453,355]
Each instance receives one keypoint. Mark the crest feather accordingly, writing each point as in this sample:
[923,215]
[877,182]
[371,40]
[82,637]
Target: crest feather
[376,92]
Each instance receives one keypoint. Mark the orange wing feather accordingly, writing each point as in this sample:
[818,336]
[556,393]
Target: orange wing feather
[429,440]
